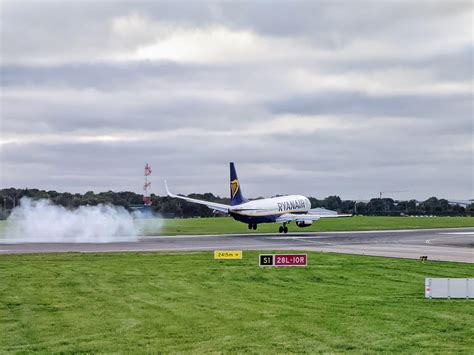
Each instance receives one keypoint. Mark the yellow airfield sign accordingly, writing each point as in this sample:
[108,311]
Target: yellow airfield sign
[227,254]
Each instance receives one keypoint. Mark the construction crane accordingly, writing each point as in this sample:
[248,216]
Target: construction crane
[390,192]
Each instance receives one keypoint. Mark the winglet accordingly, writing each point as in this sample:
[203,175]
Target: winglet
[167,190]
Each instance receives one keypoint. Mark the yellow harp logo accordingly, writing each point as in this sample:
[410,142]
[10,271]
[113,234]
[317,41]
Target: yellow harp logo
[234,187]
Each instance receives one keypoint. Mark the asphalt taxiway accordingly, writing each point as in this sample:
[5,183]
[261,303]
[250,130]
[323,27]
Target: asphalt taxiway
[455,244]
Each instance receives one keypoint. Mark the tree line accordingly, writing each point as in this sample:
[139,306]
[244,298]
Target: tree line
[169,207]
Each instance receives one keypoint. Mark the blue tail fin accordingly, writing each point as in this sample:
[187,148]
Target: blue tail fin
[236,197]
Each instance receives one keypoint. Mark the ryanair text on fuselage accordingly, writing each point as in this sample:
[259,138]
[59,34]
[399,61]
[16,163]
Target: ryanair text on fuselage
[290,205]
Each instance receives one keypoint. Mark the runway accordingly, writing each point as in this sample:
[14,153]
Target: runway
[456,244]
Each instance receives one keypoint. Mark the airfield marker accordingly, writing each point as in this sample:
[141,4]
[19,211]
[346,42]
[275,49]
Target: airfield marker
[283,260]
[227,254]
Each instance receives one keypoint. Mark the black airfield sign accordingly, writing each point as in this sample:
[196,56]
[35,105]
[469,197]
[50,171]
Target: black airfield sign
[266,260]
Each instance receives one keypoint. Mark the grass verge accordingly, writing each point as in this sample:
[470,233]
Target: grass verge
[137,302]
[357,223]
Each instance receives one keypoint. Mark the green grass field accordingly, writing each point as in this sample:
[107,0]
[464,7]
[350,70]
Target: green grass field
[143,302]
[228,225]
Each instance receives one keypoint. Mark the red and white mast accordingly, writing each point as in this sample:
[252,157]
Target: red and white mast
[146,186]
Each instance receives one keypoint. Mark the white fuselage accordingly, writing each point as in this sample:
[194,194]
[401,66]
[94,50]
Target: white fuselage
[270,208]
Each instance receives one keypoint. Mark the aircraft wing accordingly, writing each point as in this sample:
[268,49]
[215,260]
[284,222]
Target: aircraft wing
[288,217]
[212,205]
[463,203]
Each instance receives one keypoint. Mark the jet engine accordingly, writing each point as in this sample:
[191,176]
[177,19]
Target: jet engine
[303,224]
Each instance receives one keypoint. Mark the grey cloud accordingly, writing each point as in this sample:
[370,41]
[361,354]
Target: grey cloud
[358,103]
[101,75]
[75,28]
[335,17]
[453,66]
[131,111]
[311,162]
[448,66]
[456,66]
[418,142]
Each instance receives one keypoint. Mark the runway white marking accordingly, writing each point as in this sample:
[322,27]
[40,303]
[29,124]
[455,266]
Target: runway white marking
[320,233]
[314,242]
[276,247]
[458,233]
[292,238]
[145,237]
[304,239]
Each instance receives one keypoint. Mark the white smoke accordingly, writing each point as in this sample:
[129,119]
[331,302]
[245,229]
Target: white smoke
[43,222]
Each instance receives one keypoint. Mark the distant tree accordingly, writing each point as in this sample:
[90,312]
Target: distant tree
[458,210]
[333,203]
[347,206]
[10,197]
[63,199]
[315,203]
[412,207]
[76,202]
[360,208]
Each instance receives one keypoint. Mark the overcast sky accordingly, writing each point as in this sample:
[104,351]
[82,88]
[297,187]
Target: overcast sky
[317,98]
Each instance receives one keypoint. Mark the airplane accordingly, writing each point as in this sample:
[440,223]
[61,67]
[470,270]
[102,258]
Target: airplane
[462,203]
[282,209]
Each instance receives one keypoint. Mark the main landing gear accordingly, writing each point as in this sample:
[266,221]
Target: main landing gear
[283,228]
[253,226]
